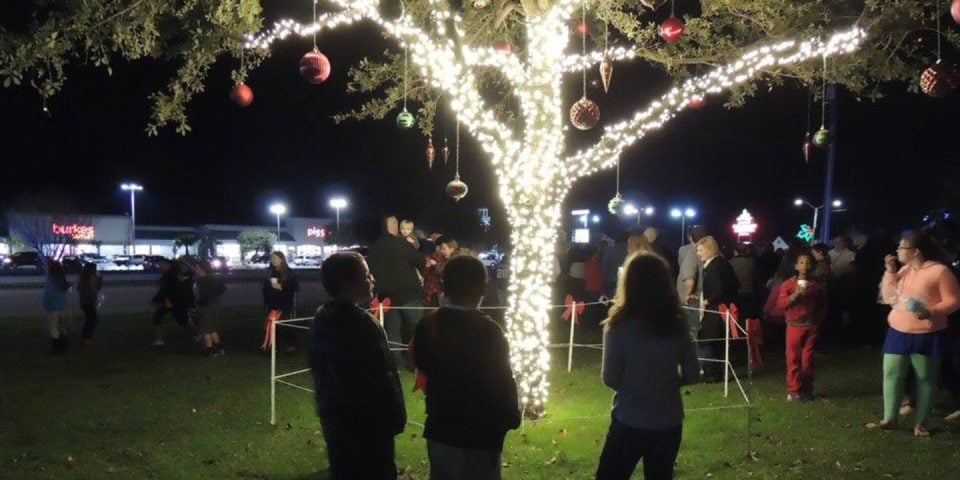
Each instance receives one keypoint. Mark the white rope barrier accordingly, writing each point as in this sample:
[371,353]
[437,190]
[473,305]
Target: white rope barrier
[381,309]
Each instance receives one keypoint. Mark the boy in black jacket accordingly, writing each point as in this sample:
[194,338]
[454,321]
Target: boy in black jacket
[471,394]
[359,398]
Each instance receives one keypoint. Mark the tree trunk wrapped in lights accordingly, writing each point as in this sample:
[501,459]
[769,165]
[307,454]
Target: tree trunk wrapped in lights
[520,49]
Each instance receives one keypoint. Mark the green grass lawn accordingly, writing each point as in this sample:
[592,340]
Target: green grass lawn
[126,410]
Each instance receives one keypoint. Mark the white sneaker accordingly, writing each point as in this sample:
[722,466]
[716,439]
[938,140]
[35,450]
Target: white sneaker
[953,416]
[158,343]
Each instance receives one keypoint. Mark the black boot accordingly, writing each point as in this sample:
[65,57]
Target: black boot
[60,345]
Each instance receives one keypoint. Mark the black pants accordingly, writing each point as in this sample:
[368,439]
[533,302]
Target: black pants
[89,319]
[356,455]
[180,315]
[625,446]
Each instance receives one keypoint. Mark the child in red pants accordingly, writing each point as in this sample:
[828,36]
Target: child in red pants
[804,303]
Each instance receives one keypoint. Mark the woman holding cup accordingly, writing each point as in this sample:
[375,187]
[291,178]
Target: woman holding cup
[922,293]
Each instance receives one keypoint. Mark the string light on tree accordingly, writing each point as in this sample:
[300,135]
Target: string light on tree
[533,171]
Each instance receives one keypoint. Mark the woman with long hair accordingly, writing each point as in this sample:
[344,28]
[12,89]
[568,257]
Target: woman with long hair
[645,340]
[922,293]
[88,288]
[280,292]
[55,290]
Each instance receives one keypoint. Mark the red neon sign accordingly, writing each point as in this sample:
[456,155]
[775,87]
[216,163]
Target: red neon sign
[75,231]
[316,232]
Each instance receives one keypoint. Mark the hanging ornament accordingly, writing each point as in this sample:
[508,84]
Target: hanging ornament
[653,4]
[446,151]
[615,206]
[481,3]
[503,47]
[807,148]
[431,153]
[939,80]
[405,120]
[582,28]
[584,114]
[955,11]
[606,65]
[823,137]
[697,103]
[314,67]
[241,95]
[606,72]
[671,29]
[457,189]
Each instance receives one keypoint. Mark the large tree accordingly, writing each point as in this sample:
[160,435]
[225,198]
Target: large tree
[510,99]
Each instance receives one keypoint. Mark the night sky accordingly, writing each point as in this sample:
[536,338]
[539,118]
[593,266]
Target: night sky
[896,160]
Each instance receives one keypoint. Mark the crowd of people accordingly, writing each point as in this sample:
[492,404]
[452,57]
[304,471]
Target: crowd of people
[660,332]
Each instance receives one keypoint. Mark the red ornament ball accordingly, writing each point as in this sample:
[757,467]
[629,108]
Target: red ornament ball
[939,80]
[315,67]
[456,189]
[955,10]
[585,114]
[503,47]
[671,29]
[241,95]
[583,28]
[697,103]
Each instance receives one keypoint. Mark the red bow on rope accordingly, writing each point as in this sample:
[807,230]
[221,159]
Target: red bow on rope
[571,305]
[420,382]
[376,303]
[272,318]
[731,319]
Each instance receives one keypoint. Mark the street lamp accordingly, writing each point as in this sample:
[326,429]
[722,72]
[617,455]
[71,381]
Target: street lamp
[683,215]
[837,205]
[338,203]
[631,210]
[278,209]
[133,188]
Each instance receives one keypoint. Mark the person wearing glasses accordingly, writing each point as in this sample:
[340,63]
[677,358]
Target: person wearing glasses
[922,293]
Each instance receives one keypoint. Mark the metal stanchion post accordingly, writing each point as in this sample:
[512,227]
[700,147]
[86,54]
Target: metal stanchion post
[273,373]
[726,357]
[573,322]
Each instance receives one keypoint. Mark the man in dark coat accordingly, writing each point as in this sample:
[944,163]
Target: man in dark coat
[398,269]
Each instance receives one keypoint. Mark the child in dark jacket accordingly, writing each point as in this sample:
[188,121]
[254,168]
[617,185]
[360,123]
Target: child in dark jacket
[209,290]
[358,393]
[471,394]
[804,303]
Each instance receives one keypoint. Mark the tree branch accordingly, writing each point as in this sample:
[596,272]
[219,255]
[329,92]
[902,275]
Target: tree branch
[620,136]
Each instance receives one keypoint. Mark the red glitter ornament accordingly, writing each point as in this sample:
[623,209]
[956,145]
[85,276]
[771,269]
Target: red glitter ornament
[584,114]
[583,28]
[314,67]
[955,10]
[671,29]
[241,95]
[697,103]
[940,80]
[807,148]
[503,47]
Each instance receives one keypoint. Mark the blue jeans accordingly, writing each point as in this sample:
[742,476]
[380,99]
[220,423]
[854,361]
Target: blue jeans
[625,446]
[452,463]
[395,322]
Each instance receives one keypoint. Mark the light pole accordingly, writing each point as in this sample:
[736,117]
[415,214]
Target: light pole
[133,188]
[836,206]
[683,215]
[278,209]
[338,203]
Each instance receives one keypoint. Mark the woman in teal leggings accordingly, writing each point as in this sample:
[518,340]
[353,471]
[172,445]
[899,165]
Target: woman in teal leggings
[921,295]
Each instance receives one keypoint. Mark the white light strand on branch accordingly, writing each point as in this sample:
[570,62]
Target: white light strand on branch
[618,137]
[533,176]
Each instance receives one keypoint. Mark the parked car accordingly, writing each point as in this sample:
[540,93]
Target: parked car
[23,259]
[305,261]
[151,263]
[72,263]
[263,258]
[219,264]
